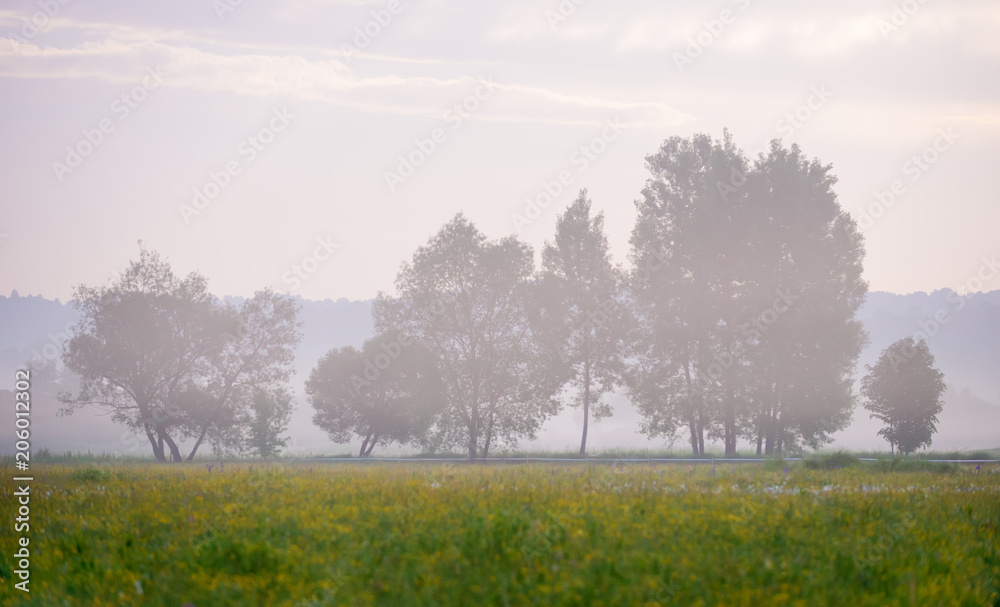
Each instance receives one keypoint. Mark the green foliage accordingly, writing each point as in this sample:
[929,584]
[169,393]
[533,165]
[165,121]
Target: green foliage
[904,391]
[466,299]
[905,464]
[91,474]
[446,535]
[746,281]
[582,310]
[269,418]
[389,391]
[826,461]
[171,362]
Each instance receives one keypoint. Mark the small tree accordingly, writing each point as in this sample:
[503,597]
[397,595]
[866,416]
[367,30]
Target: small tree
[904,390]
[467,300]
[582,291]
[270,412]
[387,392]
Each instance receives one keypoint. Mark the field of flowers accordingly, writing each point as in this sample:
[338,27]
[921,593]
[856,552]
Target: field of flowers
[446,534]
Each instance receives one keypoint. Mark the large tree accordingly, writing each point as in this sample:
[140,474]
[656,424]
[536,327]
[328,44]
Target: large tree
[805,291]
[688,282]
[583,293]
[748,317]
[253,364]
[903,390]
[466,299]
[163,357]
[389,391]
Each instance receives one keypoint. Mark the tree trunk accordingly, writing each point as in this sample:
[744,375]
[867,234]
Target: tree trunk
[693,430]
[198,443]
[730,421]
[769,433]
[701,434]
[371,445]
[586,400]
[364,445]
[489,434]
[175,453]
[156,444]
[474,423]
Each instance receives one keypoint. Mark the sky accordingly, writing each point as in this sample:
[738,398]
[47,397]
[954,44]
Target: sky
[312,145]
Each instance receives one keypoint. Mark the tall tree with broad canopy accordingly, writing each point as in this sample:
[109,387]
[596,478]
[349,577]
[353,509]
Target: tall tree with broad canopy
[163,357]
[466,300]
[389,391]
[583,292]
[688,282]
[806,290]
[904,391]
[748,323]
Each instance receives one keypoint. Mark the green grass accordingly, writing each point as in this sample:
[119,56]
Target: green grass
[547,534]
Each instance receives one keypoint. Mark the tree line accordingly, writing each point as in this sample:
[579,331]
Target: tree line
[734,320]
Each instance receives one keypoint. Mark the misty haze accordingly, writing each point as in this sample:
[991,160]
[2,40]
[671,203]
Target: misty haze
[552,302]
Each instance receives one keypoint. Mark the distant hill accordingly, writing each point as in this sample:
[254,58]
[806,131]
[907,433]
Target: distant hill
[965,340]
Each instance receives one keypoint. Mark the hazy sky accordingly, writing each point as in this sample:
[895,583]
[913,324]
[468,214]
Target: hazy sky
[289,133]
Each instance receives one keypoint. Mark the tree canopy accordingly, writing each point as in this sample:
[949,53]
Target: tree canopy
[167,359]
[903,390]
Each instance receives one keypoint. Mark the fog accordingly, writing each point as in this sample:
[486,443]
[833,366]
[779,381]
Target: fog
[705,221]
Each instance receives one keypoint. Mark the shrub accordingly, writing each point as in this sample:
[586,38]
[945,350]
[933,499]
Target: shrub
[825,461]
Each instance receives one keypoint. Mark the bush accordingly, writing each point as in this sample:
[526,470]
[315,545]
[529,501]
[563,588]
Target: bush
[826,461]
[91,474]
[901,464]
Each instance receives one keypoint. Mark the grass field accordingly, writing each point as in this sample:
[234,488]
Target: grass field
[445,534]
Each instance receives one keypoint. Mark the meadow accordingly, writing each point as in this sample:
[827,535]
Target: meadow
[310,534]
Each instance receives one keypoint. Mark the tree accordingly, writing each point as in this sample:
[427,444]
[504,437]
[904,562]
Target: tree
[254,359]
[583,292]
[137,340]
[165,359]
[805,290]
[466,300]
[269,415]
[389,391]
[904,391]
[748,324]
[688,248]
